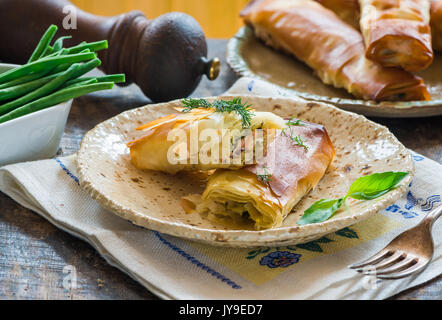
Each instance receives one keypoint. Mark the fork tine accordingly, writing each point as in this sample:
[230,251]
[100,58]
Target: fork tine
[400,266]
[389,261]
[386,262]
[373,259]
[405,273]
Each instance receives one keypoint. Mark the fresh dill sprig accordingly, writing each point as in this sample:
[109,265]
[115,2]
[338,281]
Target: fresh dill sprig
[190,104]
[296,139]
[266,177]
[235,105]
[295,123]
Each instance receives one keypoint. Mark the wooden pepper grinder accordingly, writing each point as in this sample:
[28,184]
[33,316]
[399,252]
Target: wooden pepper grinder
[166,56]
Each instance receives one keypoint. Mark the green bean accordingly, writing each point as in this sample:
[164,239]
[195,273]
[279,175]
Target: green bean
[52,76]
[49,50]
[44,43]
[61,67]
[54,99]
[93,46]
[18,90]
[76,81]
[80,83]
[64,67]
[58,53]
[21,89]
[35,76]
[115,78]
[46,63]
[58,44]
[87,66]
[24,79]
[48,88]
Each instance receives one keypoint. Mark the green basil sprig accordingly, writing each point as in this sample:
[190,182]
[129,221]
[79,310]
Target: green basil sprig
[365,188]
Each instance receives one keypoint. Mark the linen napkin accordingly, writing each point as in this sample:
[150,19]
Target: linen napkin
[174,268]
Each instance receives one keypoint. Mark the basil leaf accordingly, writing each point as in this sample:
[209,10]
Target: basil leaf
[375,185]
[320,211]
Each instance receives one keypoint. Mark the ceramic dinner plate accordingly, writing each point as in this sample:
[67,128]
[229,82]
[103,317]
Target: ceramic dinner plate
[249,57]
[152,199]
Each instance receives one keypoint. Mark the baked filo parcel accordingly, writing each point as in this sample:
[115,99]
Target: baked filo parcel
[332,48]
[265,193]
[397,32]
[436,24]
[201,139]
[349,11]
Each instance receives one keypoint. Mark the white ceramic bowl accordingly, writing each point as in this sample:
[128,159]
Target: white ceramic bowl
[34,136]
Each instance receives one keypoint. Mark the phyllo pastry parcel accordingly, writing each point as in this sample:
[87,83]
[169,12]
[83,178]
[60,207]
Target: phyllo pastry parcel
[264,194]
[349,11]
[199,139]
[332,48]
[436,24]
[397,33]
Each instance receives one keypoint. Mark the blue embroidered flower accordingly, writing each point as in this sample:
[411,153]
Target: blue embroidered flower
[280,259]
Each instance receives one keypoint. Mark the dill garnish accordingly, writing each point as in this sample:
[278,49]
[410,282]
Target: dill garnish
[190,104]
[235,105]
[294,123]
[296,139]
[266,177]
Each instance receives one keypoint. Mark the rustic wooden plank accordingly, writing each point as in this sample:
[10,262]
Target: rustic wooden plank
[33,253]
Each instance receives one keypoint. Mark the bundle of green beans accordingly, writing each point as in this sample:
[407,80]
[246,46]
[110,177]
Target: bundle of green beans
[52,75]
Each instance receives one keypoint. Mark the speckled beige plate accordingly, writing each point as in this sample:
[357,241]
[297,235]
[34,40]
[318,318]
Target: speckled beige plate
[152,199]
[249,57]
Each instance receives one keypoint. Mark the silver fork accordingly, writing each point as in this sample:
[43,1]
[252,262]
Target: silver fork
[408,254]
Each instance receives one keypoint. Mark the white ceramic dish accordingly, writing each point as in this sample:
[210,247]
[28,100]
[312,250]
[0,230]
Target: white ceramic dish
[34,136]
[152,199]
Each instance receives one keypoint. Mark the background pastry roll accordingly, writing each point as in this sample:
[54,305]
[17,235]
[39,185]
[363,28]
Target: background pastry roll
[332,48]
[436,24]
[349,11]
[265,193]
[174,143]
[397,33]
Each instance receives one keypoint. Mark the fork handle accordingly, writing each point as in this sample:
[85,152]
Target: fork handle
[433,216]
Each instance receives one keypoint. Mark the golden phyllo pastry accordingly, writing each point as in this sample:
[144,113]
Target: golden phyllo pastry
[201,139]
[436,24]
[347,10]
[265,193]
[397,32]
[332,48]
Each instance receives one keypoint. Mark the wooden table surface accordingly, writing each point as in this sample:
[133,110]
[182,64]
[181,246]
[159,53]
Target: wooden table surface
[33,253]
